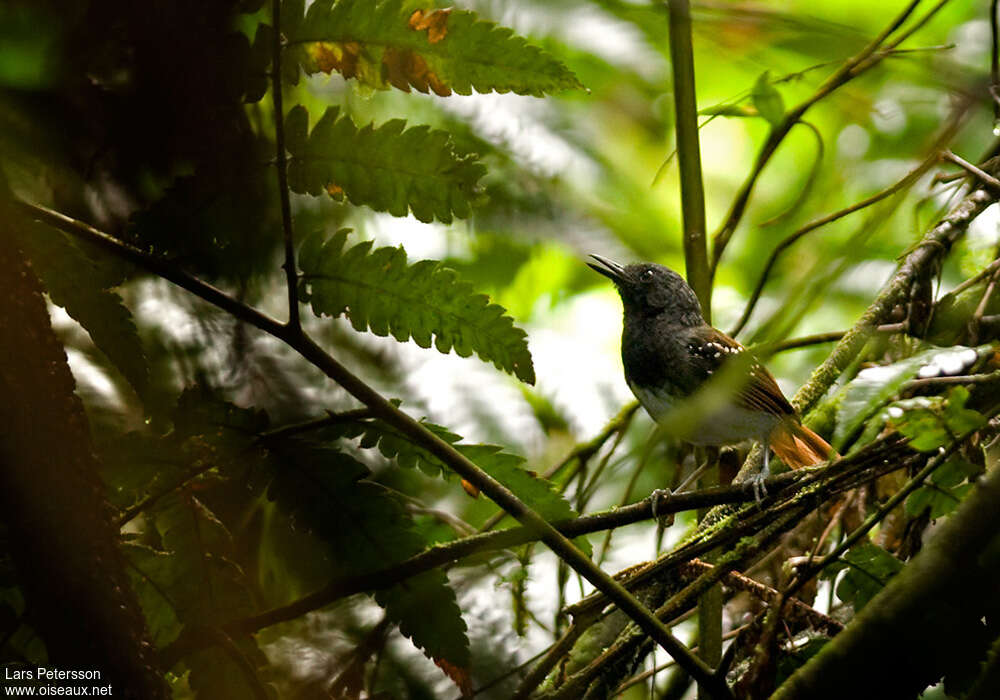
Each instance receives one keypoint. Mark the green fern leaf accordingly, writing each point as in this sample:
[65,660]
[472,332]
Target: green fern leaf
[390,43]
[377,290]
[386,168]
[366,528]
[535,491]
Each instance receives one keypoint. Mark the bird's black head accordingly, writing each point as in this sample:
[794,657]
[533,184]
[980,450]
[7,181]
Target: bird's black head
[648,289]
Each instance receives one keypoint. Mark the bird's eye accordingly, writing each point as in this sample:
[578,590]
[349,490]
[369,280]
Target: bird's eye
[646,276]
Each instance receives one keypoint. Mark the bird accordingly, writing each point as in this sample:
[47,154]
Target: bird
[669,352]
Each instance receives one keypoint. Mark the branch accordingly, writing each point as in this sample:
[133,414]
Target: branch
[983,176]
[689,154]
[291,274]
[381,408]
[810,178]
[879,457]
[624,645]
[766,594]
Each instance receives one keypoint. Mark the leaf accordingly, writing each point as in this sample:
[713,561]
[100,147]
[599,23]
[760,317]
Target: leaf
[386,168]
[931,424]
[388,43]
[395,446]
[378,290]
[206,585]
[945,491]
[537,492]
[81,284]
[367,528]
[148,569]
[767,99]
[874,387]
[869,568]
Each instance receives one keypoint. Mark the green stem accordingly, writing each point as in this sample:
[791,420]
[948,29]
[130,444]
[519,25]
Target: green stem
[282,168]
[689,155]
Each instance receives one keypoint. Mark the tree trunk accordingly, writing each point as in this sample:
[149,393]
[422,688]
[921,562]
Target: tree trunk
[63,541]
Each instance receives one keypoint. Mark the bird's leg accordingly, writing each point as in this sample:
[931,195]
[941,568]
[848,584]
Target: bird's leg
[758,479]
[661,496]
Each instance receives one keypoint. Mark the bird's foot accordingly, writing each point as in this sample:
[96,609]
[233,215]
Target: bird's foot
[659,498]
[757,482]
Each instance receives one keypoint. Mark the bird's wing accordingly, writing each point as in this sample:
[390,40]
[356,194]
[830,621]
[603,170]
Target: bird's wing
[710,348]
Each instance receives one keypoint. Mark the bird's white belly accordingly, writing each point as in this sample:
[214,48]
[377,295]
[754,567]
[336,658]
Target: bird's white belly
[724,426]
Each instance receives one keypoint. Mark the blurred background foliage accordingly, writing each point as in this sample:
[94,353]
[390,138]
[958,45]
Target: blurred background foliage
[147,120]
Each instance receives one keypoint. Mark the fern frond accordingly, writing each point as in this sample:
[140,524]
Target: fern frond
[378,290]
[389,43]
[389,168]
[537,492]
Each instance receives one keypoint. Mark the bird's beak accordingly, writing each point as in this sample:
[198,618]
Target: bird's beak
[609,268]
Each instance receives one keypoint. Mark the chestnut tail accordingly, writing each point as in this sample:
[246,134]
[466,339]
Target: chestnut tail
[798,446]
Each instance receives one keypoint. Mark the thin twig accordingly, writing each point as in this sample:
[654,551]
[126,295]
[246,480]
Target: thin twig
[580,452]
[816,339]
[978,172]
[976,322]
[811,178]
[639,678]
[291,273]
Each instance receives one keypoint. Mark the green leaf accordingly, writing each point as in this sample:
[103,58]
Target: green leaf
[874,387]
[767,99]
[389,43]
[394,445]
[932,422]
[367,528]
[868,569]
[81,285]
[207,585]
[427,613]
[536,491]
[388,168]
[148,568]
[379,291]
[945,491]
